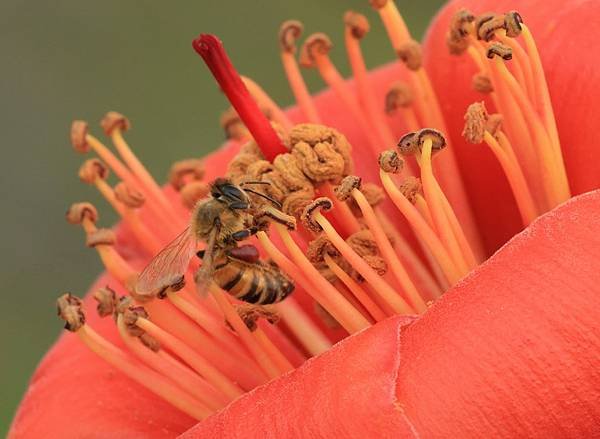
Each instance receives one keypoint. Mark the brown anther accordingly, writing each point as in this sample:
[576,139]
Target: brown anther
[373,193]
[233,126]
[78,211]
[289,32]
[193,192]
[411,54]
[461,22]
[346,186]
[79,131]
[319,247]
[512,24]
[150,342]
[437,138]
[123,303]
[329,147]
[289,172]
[250,314]
[410,188]
[107,301]
[129,196]
[486,25]
[322,203]
[91,170]
[475,123]
[113,120]
[378,4]
[183,170]
[363,243]
[494,123]
[130,318]
[497,49]
[175,286]
[482,83]
[400,95]
[390,160]
[318,44]
[294,203]
[460,27]
[407,145]
[325,317]
[70,310]
[271,214]
[357,23]
[100,237]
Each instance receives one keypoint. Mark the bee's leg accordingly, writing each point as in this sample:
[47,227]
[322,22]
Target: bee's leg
[240,235]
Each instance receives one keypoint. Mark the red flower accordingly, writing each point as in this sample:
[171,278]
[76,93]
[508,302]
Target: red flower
[511,350]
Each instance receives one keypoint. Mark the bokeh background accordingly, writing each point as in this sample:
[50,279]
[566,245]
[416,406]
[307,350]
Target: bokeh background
[69,59]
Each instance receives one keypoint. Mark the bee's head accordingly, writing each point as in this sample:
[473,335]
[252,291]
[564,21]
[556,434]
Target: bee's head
[233,196]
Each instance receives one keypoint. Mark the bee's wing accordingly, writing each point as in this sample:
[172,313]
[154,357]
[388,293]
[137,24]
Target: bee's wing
[168,266]
[205,272]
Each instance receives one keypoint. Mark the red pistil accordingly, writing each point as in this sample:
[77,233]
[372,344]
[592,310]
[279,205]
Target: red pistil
[210,48]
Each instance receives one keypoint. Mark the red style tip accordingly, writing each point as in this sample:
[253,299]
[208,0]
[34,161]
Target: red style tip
[210,48]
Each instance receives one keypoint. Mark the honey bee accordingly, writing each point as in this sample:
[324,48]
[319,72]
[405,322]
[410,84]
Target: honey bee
[221,221]
[241,273]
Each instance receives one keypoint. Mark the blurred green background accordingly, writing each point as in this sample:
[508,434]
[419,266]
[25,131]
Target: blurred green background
[69,59]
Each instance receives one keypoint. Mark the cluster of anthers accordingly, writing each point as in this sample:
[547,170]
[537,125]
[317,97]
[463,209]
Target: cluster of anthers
[346,252]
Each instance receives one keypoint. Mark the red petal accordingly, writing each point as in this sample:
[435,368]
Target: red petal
[566,39]
[512,351]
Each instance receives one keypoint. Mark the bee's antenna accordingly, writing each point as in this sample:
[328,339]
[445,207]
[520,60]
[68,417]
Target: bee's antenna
[255,182]
[266,197]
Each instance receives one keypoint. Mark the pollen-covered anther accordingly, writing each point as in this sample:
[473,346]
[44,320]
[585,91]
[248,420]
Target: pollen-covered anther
[185,170]
[411,54]
[177,285]
[79,132]
[113,120]
[123,303]
[486,25]
[78,211]
[107,301]
[512,24]
[482,83]
[296,202]
[318,44]
[344,190]
[390,161]
[289,32]
[250,314]
[193,192]
[129,196]
[363,243]
[233,126]
[100,237]
[398,96]
[497,49]
[131,315]
[130,318]
[92,170]
[322,203]
[494,123]
[357,23]
[460,28]
[476,119]
[407,145]
[270,214]
[437,138]
[321,152]
[410,188]
[70,309]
